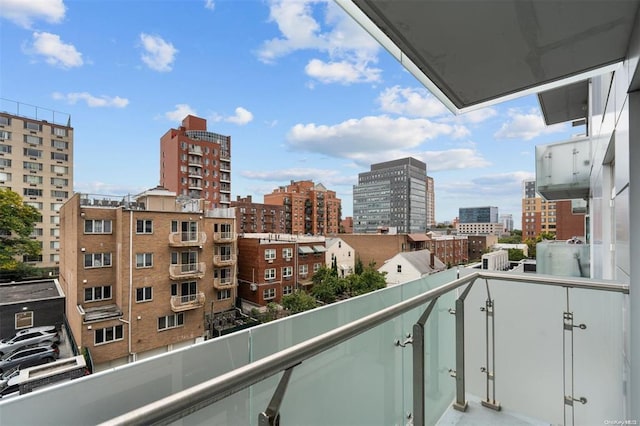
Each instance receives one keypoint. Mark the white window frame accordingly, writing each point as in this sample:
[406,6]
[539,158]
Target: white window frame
[287,290]
[303,269]
[146,296]
[316,267]
[94,292]
[171,321]
[116,329]
[269,293]
[105,223]
[270,274]
[269,254]
[287,253]
[144,260]
[287,271]
[103,260]
[223,294]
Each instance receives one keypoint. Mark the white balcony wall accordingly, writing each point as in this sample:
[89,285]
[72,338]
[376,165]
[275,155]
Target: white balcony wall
[562,169]
[562,259]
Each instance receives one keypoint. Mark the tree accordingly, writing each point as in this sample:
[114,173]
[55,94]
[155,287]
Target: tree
[516,255]
[16,225]
[366,282]
[358,267]
[299,301]
[543,236]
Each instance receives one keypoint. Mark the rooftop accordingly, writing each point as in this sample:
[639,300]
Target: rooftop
[29,290]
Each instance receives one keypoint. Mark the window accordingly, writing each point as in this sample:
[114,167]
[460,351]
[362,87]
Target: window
[34,140]
[144,294]
[97,226]
[32,192]
[97,260]
[54,232]
[59,156]
[287,289]
[32,152]
[170,321]
[59,181]
[270,274]
[144,226]
[32,126]
[28,165]
[5,135]
[287,253]
[224,294]
[61,170]
[32,179]
[144,260]
[269,293]
[24,319]
[5,177]
[54,245]
[59,131]
[5,162]
[270,254]
[37,232]
[287,272]
[304,270]
[59,194]
[399,268]
[56,207]
[5,120]
[109,334]
[54,257]
[93,294]
[316,267]
[6,149]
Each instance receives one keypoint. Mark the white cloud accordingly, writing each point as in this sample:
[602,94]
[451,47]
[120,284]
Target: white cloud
[24,12]
[327,177]
[453,159]
[526,126]
[241,117]
[209,4]
[55,51]
[349,48]
[92,101]
[343,72]
[415,102]
[158,53]
[181,111]
[102,188]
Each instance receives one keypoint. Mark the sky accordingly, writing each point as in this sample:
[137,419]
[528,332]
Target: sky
[303,91]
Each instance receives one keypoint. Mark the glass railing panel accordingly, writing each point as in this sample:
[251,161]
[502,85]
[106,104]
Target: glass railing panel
[562,258]
[599,356]
[113,392]
[533,350]
[439,344]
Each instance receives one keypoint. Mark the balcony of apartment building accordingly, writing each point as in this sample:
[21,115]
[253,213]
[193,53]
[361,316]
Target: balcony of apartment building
[224,259]
[223,282]
[187,302]
[187,239]
[225,177]
[484,348]
[194,161]
[187,270]
[225,166]
[225,187]
[195,150]
[195,172]
[226,236]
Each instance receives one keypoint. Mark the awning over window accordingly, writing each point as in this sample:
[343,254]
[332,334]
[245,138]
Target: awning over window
[319,249]
[305,250]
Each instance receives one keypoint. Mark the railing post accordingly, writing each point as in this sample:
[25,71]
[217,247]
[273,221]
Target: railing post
[418,366]
[460,403]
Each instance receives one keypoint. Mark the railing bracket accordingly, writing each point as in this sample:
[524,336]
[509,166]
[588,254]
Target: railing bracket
[271,416]
[407,341]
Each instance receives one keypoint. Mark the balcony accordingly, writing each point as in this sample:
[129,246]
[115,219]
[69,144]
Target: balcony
[188,302]
[187,239]
[224,236]
[222,283]
[541,348]
[224,259]
[187,270]
[563,259]
[562,169]
[195,150]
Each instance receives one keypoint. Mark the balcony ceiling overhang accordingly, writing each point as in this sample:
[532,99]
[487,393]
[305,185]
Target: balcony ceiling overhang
[472,54]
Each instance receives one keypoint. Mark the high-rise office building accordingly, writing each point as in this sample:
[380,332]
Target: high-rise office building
[196,163]
[392,194]
[488,214]
[36,161]
[309,208]
[431,202]
[507,222]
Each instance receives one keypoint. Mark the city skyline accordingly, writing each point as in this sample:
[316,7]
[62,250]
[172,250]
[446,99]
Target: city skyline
[303,92]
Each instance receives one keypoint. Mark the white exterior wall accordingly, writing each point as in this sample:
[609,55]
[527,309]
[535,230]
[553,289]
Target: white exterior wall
[345,255]
[407,271]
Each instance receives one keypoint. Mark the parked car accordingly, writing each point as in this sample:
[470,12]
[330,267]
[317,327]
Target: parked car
[29,336]
[8,375]
[29,356]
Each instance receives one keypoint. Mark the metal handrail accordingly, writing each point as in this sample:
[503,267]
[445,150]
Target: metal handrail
[187,401]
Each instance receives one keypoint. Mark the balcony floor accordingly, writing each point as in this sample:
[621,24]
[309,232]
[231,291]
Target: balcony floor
[477,415]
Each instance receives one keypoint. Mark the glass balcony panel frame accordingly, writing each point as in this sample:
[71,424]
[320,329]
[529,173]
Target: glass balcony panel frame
[563,169]
[187,239]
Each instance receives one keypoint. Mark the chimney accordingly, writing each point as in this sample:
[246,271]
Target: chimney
[433,260]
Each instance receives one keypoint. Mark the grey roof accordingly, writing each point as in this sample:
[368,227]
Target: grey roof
[421,260]
[29,290]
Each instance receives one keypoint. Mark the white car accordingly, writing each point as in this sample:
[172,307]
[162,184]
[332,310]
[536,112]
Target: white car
[29,336]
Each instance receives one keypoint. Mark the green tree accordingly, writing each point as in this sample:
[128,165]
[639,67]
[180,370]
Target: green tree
[516,255]
[358,267]
[366,282]
[16,225]
[299,301]
[327,290]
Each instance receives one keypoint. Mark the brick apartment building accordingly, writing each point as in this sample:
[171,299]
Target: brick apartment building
[480,244]
[36,161]
[257,217]
[142,275]
[309,208]
[196,163]
[271,266]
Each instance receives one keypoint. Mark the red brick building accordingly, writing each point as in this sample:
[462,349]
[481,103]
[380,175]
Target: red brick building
[197,163]
[256,217]
[309,208]
[271,266]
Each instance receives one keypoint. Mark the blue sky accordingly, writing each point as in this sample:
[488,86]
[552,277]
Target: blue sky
[303,92]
